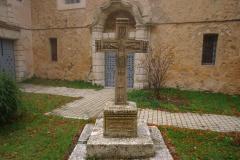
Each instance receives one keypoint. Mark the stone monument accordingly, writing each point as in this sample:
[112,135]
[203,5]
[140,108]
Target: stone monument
[119,134]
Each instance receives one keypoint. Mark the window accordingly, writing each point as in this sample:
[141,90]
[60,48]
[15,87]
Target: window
[72,1]
[53,49]
[209,49]
[71,4]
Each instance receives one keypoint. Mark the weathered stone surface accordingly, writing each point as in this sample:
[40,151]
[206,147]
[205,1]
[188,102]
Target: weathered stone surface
[161,150]
[85,134]
[100,147]
[187,71]
[120,120]
[79,152]
[15,24]
[173,27]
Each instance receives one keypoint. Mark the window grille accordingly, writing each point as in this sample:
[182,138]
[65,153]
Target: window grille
[209,49]
[53,47]
[72,1]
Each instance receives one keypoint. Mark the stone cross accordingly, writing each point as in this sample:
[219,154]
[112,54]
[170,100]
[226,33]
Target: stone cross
[123,45]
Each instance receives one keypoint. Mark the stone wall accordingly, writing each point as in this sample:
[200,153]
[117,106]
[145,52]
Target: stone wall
[74,60]
[15,24]
[177,23]
[172,11]
[187,71]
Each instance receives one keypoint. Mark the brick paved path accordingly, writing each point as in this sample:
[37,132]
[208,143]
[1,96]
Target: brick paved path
[219,123]
[93,102]
[88,107]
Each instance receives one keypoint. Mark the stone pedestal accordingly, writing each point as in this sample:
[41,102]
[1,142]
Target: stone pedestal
[119,135]
[101,147]
[120,121]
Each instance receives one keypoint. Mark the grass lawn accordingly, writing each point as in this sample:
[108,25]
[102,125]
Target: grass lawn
[63,83]
[195,145]
[175,100]
[36,136]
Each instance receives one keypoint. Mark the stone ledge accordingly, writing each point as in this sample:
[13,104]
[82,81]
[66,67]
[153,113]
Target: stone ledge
[85,134]
[111,108]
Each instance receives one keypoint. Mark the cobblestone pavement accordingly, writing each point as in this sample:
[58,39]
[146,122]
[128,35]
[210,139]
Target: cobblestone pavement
[88,107]
[93,102]
[218,123]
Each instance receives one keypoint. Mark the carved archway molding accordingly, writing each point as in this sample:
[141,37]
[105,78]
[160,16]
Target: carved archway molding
[114,5]
[142,32]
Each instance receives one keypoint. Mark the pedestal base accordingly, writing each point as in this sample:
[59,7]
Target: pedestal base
[101,147]
[120,120]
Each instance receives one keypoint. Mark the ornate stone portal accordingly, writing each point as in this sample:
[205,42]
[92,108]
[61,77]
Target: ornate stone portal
[120,135]
[103,28]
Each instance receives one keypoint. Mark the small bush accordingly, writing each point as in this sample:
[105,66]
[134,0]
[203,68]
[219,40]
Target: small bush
[9,98]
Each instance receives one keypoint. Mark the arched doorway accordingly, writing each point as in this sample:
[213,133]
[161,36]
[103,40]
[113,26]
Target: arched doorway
[104,28]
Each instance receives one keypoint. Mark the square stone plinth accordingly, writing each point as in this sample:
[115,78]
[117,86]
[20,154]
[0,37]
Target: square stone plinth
[120,120]
[101,147]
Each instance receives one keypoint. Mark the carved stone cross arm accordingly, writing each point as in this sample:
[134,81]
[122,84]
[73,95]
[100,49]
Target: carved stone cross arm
[106,45]
[136,46]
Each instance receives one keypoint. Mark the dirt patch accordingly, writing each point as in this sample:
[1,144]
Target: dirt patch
[235,111]
[236,138]
[176,100]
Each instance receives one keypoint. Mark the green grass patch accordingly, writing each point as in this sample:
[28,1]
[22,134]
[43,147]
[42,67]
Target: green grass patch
[37,136]
[195,145]
[63,83]
[175,100]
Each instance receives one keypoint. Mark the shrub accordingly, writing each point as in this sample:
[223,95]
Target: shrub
[9,98]
[156,66]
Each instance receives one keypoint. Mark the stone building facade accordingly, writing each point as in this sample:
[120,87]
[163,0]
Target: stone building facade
[179,24]
[15,27]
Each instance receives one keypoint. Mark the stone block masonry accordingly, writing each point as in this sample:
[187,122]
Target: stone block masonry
[120,120]
[101,147]
[15,24]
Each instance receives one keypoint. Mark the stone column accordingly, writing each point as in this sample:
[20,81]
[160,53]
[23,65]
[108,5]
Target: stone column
[140,79]
[20,64]
[139,74]
[98,58]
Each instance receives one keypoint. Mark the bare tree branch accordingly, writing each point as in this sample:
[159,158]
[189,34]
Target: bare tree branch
[156,66]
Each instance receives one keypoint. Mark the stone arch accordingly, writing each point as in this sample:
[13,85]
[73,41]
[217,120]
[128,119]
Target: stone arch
[110,23]
[141,32]
[114,5]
